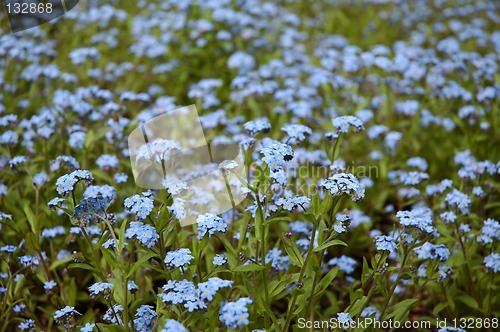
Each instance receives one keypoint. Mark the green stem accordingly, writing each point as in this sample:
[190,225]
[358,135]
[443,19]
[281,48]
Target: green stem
[382,259]
[263,258]
[300,280]
[488,311]
[310,305]
[94,253]
[395,284]
[467,264]
[124,280]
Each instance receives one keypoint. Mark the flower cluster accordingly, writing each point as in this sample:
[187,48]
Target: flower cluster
[178,258]
[344,183]
[219,260]
[430,251]
[177,208]
[276,155]
[145,233]
[66,183]
[107,162]
[173,326]
[490,231]
[342,123]
[296,132]
[235,314]
[90,210]
[459,200]
[28,325]
[112,314]
[139,205]
[210,223]
[258,125]
[193,298]
[419,217]
[384,242]
[65,315]
[291,202]
[278,262]
[407,212]
[145,318]
[173,185]
[345,263]
[101,287]
[492,262]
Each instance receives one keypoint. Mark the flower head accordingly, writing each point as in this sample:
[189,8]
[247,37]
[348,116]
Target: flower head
[296,132]
[139,205]
[179,257]
[145,318]
[220,259]
[342,123]
[276,154]
[173,326]
[87,328]
[384,242]
[210,223]
[344,183]
[235,314]
[492,262]
[146,234]
[64,315]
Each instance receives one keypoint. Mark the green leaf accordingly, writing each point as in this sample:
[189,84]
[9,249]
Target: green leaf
[56,264]
[366,271]
[140,262]
[258,225]
[31,217]
[277,219]
[228,246]
[19,286]
[337,205]
[248,268]
[310,217]
[72,290]
[326,204]
[315,204]
[266,309]
[109,328]
[293,252]
[83,266]
[334,242]
[401,309]
[468,301]
[118,295]
[121,236]
[301,303]
[358,294]
[406,276]
[277,287]
[439,308]
[32,242]
[110,257]
[327,280]
[356,308]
